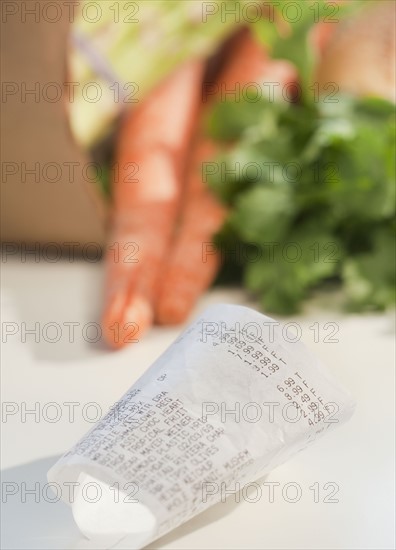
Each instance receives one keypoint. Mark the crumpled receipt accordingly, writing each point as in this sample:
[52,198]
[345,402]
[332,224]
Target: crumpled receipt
[232,398]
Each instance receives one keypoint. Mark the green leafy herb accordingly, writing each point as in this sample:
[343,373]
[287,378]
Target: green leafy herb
[311,193]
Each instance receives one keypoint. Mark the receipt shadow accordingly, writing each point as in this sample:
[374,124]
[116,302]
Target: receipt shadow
[213,514]
[30,521]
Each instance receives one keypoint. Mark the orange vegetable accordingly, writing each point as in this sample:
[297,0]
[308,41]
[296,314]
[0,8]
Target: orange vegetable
[164,215]
[152,150]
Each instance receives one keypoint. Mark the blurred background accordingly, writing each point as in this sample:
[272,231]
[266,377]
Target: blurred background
[280,162]
[159,156]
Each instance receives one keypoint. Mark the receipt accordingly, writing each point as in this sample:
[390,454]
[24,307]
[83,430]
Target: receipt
[232,398]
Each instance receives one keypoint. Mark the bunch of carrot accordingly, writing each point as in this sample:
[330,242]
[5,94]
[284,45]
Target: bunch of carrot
[163,214]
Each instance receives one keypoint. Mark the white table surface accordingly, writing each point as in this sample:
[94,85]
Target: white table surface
[358,457]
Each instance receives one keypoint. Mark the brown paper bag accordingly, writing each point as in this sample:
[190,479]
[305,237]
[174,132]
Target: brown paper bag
[47,185]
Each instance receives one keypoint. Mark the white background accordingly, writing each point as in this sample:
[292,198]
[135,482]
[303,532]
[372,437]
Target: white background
[358,457]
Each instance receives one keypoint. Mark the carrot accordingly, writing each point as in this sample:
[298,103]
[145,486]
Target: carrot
[151,154]
[193,264]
